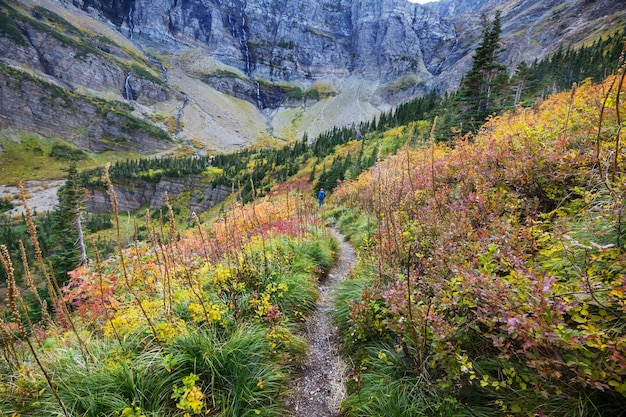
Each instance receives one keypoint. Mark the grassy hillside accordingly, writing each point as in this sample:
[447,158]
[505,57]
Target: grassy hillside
[492,271]
[199,323]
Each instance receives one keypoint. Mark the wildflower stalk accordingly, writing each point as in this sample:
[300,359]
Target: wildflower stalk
[17,295]
[570,106]
[102,299]
[622,70]
[173,244]
[432,168]
[29,281]
[152,235]
[53,289]
[202,239]
[32,231]
[13,295]
[171,218]
[616,152]
[167,294]
[8,347]
[257,224]
[195,289]
[113,197]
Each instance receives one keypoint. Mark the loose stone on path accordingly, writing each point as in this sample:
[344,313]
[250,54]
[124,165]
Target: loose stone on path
[320,384]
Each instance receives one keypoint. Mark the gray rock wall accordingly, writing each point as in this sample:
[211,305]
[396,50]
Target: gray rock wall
[287,40]
[32,104]
[135,194]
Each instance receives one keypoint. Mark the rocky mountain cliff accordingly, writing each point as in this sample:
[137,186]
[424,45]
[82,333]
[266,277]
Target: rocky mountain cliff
[132,196]
[215,75]
[531,29]
[280,40]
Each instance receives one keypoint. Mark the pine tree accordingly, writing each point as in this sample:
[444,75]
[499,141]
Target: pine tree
[480,87]
[312,175]
[67,245]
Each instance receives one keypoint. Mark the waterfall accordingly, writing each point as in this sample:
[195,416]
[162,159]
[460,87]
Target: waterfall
[156,61]
[131,23]
[179,116]
[231,23]
[238,24]
[245,50]
[244,46]
[128,92]
[259,103]
[243,36]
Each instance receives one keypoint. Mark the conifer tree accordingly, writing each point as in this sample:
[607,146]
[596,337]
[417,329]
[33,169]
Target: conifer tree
[67,243]
[480,86]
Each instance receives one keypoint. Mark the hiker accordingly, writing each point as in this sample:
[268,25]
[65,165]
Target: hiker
[321,195]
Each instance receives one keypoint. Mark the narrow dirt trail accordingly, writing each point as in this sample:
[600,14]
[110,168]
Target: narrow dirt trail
[319,387]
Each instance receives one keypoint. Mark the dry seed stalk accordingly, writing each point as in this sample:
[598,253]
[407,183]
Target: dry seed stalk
[53,289]
[32,231]
[8,347]
[102,300]
[113,197]
[170,216]
[152,235]
[167,292]
[204,246]
[31,285]
[166,263]
[12,296]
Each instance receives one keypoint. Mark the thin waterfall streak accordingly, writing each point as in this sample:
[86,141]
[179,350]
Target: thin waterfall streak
[127,89]
[131,22]
[259,102]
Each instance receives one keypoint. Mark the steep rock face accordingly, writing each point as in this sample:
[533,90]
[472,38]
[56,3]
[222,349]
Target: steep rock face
[530,29]
[33,104]
[135,194]
[286,40]
[392,38]
[74,59]
[53,75]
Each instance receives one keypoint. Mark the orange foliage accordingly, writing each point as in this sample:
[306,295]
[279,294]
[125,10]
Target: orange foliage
[468,235]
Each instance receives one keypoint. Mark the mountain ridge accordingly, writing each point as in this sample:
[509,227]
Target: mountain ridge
[229,74]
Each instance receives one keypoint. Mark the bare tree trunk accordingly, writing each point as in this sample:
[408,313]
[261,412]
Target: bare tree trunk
[81,240]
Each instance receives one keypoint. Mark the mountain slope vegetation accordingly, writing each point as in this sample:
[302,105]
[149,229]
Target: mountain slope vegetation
[492,271]
[490,282]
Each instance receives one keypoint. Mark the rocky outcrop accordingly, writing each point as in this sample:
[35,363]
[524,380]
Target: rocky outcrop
[133,195]
[270,53]
[33,104]
[287,40]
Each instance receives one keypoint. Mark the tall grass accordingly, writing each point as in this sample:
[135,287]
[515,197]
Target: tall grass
[115,382]
[384,385]
[235,370]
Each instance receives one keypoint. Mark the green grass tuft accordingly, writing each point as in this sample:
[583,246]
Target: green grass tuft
[234,370]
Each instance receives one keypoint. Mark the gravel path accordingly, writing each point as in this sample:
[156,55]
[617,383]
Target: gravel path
[319,386]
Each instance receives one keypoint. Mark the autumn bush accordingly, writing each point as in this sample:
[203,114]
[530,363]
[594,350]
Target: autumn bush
[200,322]
[495,268]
